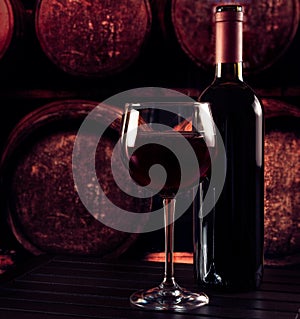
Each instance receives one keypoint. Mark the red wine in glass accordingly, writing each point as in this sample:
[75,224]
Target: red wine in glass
[149,154]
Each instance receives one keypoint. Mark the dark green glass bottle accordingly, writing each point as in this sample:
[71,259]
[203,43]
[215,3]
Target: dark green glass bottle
[229,240]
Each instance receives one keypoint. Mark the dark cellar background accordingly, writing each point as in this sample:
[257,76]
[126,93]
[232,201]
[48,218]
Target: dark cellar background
[29,80]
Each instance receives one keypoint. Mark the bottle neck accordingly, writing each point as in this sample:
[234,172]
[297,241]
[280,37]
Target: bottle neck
[229,45]
[229,71]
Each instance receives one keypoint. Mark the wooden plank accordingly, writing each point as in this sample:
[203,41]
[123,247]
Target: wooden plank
[92,268]
[121,299]
[88,276]
[141,281]
[122,275]
[91,288]
[115,311]
[288,276]
[17,314]
[282,287]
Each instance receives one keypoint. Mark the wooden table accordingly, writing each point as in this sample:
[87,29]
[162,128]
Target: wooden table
[63,287]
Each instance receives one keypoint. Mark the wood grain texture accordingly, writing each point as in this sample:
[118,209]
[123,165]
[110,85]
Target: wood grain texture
[43,206]
[269,29]
[282,182]
[92,38]
[72,287]
[6,26]
[12,24]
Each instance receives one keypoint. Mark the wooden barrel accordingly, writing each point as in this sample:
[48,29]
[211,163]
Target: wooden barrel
[282,182]
[12,21]
[269,29]
[92,38]
[42,206]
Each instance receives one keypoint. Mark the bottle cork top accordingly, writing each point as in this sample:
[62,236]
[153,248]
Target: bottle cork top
[232,8]
[229,13]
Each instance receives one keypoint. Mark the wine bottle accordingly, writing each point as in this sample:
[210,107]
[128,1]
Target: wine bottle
[228,241]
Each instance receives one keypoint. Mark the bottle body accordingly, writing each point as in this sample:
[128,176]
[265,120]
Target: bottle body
[228,242]
[234,230]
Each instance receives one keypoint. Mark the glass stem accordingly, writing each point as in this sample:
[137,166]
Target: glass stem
[169,211]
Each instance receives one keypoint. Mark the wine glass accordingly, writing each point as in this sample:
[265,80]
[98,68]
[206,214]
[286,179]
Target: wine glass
[178,136]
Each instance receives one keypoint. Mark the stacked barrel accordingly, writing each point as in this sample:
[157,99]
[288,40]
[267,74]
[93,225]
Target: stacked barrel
[63,57]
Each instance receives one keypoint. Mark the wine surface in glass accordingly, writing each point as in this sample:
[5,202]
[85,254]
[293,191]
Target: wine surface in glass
[150,150]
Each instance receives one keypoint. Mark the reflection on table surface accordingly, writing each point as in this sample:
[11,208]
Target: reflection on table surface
[85,287]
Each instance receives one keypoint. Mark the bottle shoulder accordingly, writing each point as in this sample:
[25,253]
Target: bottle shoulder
[231,95]
[227,87]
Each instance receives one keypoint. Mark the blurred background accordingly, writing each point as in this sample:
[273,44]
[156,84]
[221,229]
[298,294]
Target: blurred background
[59,58]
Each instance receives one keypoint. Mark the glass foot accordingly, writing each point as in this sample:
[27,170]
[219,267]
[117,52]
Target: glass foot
[168,298]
